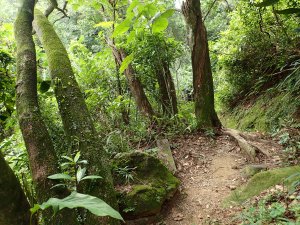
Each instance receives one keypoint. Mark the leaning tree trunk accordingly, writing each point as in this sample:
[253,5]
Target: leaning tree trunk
[135,86]
[202,75]
[125,113]
[42,157]
[167,90]
[14,207]
[76,118]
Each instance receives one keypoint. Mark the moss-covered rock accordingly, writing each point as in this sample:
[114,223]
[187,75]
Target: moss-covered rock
[143,184]
[261,182]
[251,170]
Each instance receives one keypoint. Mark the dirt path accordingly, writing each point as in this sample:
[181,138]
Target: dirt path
[209,170]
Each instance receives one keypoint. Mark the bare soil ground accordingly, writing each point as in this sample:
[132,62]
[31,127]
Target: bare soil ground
[209,169]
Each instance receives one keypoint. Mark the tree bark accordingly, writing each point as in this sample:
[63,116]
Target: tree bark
[76,118]
[202,75]
[124,112]
[167,90]
[135,86]
[42,157]
[14,207]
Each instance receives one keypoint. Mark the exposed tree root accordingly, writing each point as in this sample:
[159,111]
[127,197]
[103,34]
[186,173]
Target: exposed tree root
[248,144]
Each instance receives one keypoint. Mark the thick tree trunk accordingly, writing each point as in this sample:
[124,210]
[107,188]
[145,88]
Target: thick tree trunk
[14,207]
[76,118]
[202,75]
[167,90]
[135,86]
[42,157]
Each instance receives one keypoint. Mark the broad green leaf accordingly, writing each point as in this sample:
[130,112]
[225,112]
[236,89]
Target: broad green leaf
[133,5]
[159,24]
[122,28]
[77,156]
[80,174]
[126,63]
[92,177]
[60,176]
[77,200]
[266,3]
[149,10]
[168,13]
[68,158]
[289,11]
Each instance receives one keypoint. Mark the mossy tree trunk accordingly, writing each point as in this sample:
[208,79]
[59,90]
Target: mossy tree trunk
[167,90]
[76,118]
[14,207]
[42,157]
[202,75]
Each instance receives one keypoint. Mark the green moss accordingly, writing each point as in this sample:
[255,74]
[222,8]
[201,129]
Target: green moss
[260,182]
[152,184]
[143,200]
[265,114]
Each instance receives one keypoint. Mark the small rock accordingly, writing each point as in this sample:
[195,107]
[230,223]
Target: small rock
[251,170]
[232,187]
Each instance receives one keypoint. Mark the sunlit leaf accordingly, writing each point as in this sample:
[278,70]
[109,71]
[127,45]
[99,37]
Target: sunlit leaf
[92,177]
[60,176]
[77,156]
[68,158]
[80,173]
[159,24]
[122,28]
[168,13]
[126,63]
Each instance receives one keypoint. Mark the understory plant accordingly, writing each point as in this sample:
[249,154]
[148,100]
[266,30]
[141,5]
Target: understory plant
[74,175]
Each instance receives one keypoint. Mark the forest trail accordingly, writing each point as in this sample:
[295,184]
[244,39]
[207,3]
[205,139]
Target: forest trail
[209,169]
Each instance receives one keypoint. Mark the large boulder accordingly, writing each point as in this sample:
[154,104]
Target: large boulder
[143,184]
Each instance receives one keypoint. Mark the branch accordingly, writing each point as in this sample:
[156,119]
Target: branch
[54,5]
[210,8]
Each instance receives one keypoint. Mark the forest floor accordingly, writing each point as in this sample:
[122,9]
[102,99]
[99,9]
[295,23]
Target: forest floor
[209,170]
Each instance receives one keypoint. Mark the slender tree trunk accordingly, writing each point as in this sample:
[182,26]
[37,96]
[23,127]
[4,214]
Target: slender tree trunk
[124,112]
[76,118]
[202,75]
[42,157]
[167,90]
[14,207]
[135,86]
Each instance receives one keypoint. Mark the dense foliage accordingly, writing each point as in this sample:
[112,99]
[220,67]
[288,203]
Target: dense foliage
[255,57]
